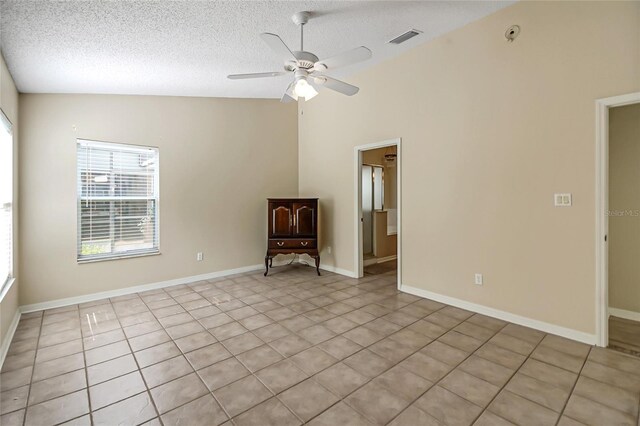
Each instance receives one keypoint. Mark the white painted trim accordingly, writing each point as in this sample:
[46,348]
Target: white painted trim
[622,313]
[6,342]
[339,271]
[386,259]
[368,262]
[357,172]
[376,260]
[162,284]
[602,205]
[136,289]
[6,287]
[569,333]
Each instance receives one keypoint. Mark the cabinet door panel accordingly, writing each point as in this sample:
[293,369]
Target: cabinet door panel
[304,220]
[280,219]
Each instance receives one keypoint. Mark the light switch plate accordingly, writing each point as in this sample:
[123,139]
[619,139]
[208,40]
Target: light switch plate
[562,200]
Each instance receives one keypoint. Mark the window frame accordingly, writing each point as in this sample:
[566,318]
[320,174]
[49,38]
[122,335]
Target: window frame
[9,280]
[79,199]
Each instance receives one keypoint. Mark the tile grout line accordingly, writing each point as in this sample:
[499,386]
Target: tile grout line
[86,367]
[564,407]
[311,377]
[288,291]
[339,361]
[510,378]
[193,368]
[139,371]
[353,309]
[456,366]
[342,399]
[33,370]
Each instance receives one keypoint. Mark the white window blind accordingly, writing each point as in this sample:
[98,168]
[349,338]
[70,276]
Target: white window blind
[6,200]
[118,195]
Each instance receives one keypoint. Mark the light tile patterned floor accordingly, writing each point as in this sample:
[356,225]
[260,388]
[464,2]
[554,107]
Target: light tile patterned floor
[293,348]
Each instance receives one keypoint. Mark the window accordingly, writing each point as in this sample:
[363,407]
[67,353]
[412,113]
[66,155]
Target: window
[118,196]
[6,201]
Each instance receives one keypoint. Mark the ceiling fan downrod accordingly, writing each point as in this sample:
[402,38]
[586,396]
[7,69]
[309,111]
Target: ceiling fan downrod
[300,19]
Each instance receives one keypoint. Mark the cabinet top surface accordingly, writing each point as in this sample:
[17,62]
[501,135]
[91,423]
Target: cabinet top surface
[290,199]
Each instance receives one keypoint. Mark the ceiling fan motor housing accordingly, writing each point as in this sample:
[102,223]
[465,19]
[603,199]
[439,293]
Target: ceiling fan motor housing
[305,60]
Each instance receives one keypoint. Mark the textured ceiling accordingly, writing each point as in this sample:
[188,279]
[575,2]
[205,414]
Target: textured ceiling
[187,48]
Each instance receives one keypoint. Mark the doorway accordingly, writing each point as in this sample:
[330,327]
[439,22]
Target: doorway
[618,223]
[378,206]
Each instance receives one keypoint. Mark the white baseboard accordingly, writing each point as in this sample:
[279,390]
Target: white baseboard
[135,289]
[376,260]
[621,313]
[329,268]
[338,271]
[162,284]
[6,342]
[569,333]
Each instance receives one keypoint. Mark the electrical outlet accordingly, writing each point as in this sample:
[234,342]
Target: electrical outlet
[329,249]
[199,256]
[479,279]
[562,200]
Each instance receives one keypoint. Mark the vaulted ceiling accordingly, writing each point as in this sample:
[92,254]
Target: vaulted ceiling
[188,48]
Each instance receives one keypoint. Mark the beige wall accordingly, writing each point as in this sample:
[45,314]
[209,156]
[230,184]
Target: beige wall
[490,130]
[9,105]
[624,205]
[219,160]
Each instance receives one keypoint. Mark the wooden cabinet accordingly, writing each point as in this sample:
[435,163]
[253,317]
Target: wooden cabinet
[292,228]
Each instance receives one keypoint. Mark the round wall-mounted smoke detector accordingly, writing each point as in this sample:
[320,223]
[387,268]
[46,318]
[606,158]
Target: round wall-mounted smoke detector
[511,33]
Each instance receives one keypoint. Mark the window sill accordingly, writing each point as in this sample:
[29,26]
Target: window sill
[6,287]
[124,256]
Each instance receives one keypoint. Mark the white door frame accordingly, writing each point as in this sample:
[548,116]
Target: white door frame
[357,170]
[602,206]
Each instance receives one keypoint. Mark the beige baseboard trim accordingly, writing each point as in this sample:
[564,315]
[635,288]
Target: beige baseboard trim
[6,342]
[622,313]
[569,333]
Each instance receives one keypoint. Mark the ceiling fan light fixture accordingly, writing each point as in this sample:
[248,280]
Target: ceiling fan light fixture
[303,89]
[307,69]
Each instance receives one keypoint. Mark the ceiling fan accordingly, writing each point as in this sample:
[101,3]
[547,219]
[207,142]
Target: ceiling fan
[308,70]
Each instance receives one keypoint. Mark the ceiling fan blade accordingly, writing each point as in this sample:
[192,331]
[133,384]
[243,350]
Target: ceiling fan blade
[277,45]
[256,75]
[349,57]
[337,85]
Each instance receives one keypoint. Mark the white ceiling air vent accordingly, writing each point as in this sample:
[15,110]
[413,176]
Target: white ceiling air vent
[405,36]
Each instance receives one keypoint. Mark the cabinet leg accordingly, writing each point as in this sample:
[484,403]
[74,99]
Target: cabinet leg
[271,262]
[266,265]
[318,264]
